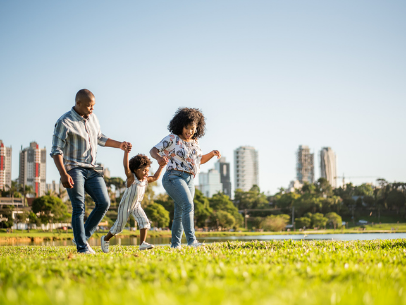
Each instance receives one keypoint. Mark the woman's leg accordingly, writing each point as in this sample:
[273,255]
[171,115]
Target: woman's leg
[176,185]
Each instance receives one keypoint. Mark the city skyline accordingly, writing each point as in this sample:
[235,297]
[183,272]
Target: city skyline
[267,74]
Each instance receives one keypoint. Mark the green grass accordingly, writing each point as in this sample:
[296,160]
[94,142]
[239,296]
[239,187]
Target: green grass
[276,272]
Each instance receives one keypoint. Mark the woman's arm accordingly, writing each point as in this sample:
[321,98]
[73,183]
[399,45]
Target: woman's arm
[155,154]
[207,157]
[162,164]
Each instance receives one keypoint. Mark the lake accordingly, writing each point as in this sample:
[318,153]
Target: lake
[164,241]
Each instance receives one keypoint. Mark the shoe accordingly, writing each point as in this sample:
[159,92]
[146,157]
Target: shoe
[104,245]
[176,248]
[146,246]
[196,244]
[87,252]
[88,246]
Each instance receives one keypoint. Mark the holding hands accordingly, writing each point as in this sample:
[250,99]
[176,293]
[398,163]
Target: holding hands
[126,146]
[163,161]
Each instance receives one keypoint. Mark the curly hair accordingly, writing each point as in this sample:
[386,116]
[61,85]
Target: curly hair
[139,161]
[185,116]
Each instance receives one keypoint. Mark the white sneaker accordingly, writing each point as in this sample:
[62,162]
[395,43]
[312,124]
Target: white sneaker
[146,246]
[88,246]
[176,248]
[104,245]
[87,252]
[196,244]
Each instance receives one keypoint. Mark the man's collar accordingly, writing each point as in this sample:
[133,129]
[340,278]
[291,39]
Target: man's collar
[77,115]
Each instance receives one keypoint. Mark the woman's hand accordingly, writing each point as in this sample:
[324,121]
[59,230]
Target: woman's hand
[216,153]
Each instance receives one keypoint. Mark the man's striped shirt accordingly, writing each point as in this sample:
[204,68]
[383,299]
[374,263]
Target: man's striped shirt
[76,138]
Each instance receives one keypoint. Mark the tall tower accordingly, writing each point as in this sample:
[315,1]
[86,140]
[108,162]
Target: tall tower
[223,168]
[245,168]
[305,165]
[5,166]
[328,165]
[209,183]
[33,168]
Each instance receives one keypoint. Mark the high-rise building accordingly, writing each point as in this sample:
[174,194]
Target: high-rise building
[328,165]
[5,166]
[223,168]
[209,183]
[305,165]
[245,168]
[33,168]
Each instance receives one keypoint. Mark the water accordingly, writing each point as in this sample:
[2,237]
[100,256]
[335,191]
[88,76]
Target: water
[163,241]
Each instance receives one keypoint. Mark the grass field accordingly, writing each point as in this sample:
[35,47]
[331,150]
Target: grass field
[276,272]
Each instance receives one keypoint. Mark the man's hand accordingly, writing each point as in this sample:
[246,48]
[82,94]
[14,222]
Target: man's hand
[216,153]
[163,161]
[126,146]
[67,181]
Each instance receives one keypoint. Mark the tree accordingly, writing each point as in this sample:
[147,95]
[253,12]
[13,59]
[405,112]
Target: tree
[274,223]
[157,214]
[318,220]
[203,211]
[51,209]
[303,222]
[167,202]
[221,202]
[396,200]
[334,219]
[224,219]
[33,219]
[21,217]
[7,213]
[253,199]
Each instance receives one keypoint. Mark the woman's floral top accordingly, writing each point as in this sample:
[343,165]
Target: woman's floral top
[183,156]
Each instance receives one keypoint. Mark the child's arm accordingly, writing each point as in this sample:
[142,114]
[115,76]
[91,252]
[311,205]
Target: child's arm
[162,164]
[207,157]
[128,173]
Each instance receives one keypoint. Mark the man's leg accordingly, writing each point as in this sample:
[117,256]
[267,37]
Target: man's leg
[96,188]
[77,198]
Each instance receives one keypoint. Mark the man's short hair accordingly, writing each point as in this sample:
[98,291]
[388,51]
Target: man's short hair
[84,94]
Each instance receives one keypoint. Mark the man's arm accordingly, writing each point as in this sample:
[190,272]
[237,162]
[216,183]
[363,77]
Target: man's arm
[117,144]
[207,157]
[162,164]
[66,179]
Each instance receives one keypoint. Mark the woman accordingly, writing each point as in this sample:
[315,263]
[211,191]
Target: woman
[182,149]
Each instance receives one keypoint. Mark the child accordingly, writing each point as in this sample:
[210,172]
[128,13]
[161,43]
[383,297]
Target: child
[137,179]
[183,151]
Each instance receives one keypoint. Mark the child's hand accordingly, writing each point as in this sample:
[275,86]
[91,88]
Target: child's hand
[126,146]
[216,153]
[163,161]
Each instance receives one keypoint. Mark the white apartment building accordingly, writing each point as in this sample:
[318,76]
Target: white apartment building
[328,165]
[305,165]
[223,167]
[245,168]
[33,168]
[209,183]
[5,166]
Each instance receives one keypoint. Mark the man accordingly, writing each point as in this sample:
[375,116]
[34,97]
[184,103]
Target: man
[74,149]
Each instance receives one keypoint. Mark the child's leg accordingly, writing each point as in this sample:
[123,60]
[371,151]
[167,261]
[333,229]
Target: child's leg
[143,235]
[108,236]
[142,221]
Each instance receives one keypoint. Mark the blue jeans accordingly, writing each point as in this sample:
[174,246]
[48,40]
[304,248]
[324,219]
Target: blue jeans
[88,180]
[180,187]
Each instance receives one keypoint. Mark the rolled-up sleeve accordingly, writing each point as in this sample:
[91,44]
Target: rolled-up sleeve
[59,139]
[101,139]
[166,145]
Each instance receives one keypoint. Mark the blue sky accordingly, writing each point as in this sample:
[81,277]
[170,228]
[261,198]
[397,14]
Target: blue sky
[270,74]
